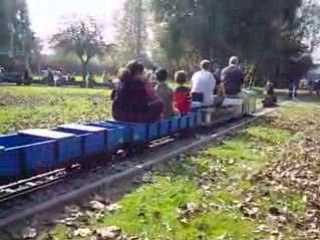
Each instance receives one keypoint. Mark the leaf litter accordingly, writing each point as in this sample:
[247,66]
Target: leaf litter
[275,195]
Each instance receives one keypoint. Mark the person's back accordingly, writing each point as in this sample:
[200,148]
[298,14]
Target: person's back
[232,78]
[165,93]
[132,102]
[203,83]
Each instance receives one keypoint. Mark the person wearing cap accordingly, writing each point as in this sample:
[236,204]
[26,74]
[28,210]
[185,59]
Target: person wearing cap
[203,85]
[165,93]
[232,78]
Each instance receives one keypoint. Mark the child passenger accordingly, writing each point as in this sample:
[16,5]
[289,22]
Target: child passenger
[181,96]
[165,92]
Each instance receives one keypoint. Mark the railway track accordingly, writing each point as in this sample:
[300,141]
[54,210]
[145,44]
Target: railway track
[27,186]
[147,161]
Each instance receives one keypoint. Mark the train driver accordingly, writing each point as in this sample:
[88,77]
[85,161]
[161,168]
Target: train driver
[232,78]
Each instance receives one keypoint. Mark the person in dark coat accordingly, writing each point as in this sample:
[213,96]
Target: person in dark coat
[133,100]
[232,78]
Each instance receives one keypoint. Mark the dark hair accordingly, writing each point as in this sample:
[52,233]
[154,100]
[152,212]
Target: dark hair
[162,75]
[180,77]
[135,67]
[124,75]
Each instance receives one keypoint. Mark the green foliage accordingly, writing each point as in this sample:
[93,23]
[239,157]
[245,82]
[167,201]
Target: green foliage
[132,30]
[262,33]
[33,107]
[15,34]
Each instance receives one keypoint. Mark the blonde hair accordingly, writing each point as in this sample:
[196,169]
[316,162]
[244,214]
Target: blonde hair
[180,77]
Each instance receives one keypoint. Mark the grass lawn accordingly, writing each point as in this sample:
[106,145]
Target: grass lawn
[33,107]
[247,187]
[26,107]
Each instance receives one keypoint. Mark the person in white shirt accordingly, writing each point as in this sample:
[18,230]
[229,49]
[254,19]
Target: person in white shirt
[203,84]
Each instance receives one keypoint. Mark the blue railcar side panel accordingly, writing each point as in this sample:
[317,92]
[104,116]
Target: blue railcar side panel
[93,142]
[199,118]
[115,139]
[165,127]
[191,120]
[128,130]
[153,131]
[24,154]
[69,149]
[183,122]
[174,125]
[10,165]
[39,157]
[117,134]
[68,146]
[139,133]
[135,133]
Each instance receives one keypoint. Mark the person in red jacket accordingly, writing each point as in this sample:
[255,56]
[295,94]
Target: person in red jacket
[181,95]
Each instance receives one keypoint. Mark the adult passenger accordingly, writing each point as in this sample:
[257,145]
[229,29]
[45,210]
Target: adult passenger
[232,78]
[133,102]
[203,85]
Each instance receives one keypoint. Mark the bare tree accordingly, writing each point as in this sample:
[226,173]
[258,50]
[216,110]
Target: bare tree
[83,38]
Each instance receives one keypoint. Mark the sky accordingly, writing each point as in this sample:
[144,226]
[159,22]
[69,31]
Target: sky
[47,15]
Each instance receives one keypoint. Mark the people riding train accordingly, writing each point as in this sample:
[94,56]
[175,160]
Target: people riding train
[133,99]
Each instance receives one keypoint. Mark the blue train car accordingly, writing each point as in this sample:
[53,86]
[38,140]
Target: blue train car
[23,155]
[117,135]
[135,133]
[93,138]
[164,128]
[68,146]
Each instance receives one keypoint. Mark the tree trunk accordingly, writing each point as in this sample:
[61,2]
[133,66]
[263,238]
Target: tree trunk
[84,65]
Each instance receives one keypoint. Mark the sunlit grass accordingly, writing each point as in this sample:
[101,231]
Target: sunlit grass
[32,107]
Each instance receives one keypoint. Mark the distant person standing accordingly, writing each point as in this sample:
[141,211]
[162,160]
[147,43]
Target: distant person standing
[232,78]
[50,78]
[203,85]
[293,89]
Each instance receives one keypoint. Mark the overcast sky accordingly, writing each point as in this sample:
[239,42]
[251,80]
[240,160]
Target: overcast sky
[46,15]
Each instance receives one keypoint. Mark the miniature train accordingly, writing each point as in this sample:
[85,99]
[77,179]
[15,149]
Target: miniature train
[35,151]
